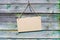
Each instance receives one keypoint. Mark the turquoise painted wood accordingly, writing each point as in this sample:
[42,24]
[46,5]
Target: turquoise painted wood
[14,6]
[8,22]
[25,1]
[8,27]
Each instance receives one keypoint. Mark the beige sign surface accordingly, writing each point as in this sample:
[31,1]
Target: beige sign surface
[29,24]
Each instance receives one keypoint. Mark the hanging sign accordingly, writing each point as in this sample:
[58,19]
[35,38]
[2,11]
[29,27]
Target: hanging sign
[29,24]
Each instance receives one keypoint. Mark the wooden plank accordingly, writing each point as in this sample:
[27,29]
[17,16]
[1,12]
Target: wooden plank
[29,24]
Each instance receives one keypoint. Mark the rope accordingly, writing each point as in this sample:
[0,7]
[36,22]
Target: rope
[30,7]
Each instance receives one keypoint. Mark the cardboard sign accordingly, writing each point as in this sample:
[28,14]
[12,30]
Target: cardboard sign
[29,24]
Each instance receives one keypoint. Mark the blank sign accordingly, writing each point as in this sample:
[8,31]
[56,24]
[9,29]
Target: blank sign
[29,24]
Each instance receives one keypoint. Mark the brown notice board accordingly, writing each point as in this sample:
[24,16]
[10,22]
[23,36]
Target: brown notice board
[29,24]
